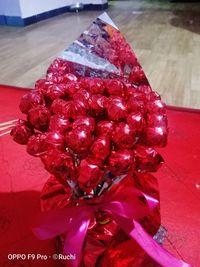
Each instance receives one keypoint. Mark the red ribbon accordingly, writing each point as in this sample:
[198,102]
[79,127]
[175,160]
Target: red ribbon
[125,208]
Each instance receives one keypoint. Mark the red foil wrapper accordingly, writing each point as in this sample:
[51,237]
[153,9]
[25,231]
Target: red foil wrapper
[55,91]
[58,106]
[105,243]
[60,164]
[124,137]
[156,106]
[147,159]
[31,100]
[115,87]
[21,132]
[82,95]
[101,147]
[136,105]
[136,121]
[71,89]
[74,109]
[116,108]
[59,123]
[55,139]
[120,162]
[96,86]
[37,145]
[42,85]
[97,105]
[105,127]
[89,176]
[137,76]
[157,120]
[88,122]
[79,139]
[155,136]
[39,117]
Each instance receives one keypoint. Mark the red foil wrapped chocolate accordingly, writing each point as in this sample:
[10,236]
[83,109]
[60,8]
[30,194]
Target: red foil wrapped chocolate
[55,139]
[116,109]
[88,175]
[101,147]
[120,162]
[21,132]
[105,127]
[79,139]
[97,105]
[60,164]
[124,136]
[58,106]
[85,121]
[59,123]
[55,91]
[37,145]
[147,159]
[30,100]
[115,87]
[39,117]
[74,109]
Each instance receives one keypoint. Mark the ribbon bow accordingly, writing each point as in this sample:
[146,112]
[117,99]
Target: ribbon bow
[125,208]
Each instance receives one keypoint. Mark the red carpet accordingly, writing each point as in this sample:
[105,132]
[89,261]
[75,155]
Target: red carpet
[22,178]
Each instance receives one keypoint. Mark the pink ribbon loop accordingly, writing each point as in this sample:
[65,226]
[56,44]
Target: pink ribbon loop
[124,210]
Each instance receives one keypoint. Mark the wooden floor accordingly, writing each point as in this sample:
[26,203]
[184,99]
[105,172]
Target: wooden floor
[164,36]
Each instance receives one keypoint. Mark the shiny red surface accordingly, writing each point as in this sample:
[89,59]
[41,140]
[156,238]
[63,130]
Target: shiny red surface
[22,178]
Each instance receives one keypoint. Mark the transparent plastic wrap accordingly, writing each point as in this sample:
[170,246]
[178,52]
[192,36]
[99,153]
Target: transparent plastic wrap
[95,123]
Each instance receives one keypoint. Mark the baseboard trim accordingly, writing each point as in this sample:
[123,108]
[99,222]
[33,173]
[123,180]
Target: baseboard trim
[21,22]
[11,21]
[95,7]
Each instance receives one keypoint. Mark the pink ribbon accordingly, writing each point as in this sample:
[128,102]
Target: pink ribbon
[124,208]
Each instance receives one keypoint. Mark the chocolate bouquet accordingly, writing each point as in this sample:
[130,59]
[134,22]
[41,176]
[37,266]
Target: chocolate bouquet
[94,121]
